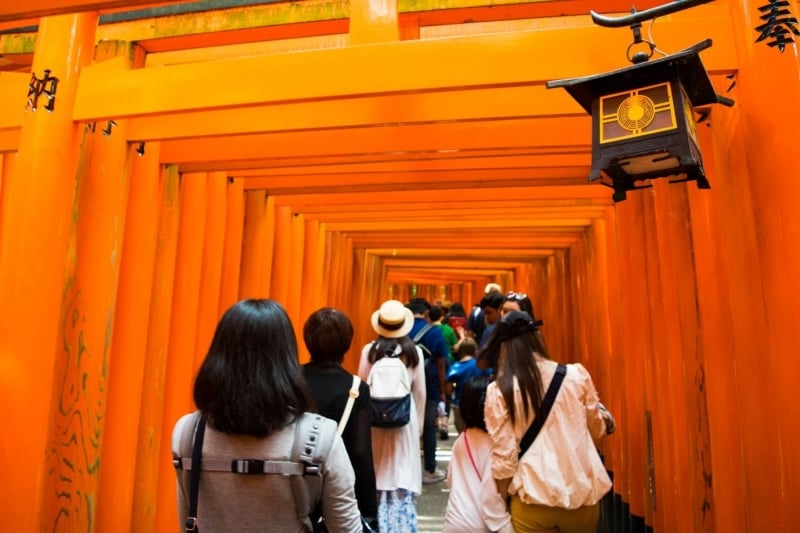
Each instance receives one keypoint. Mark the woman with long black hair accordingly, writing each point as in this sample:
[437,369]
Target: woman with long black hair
[560,479]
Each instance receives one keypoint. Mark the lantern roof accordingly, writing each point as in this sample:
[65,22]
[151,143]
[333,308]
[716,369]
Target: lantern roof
[685,65]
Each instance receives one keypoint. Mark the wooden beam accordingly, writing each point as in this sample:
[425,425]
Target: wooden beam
[446,212]
[543,136]
[480,61]
[440,106]
[499,162]
[13,96]
[373,181]
[456,201]
[467,195]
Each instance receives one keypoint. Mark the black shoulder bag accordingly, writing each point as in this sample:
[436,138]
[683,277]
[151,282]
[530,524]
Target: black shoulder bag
[547,405]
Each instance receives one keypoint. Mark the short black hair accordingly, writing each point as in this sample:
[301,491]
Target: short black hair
[250,382]
[473,398]
[419,306]
[328,333]
[435,313]
[493,299]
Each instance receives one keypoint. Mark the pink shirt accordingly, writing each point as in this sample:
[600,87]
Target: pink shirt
[562,468]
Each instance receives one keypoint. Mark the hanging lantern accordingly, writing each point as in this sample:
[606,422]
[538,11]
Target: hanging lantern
[643,124]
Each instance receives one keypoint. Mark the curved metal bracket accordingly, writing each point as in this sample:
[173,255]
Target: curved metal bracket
[647,14]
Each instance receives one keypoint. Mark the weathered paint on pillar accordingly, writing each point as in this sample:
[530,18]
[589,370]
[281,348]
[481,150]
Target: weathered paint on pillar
[35,225]
[151,441]
[87,320]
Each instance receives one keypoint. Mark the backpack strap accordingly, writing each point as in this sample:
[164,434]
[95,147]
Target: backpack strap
[187,446]
[313,438]
[421,333]
[348,408]
[418,337]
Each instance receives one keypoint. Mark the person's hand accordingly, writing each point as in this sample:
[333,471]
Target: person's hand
[611,424]
[441,409]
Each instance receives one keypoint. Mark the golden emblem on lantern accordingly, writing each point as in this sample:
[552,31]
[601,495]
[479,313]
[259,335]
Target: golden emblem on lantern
[635,112]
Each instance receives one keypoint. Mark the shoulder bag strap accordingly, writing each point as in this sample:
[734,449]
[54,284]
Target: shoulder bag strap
[421,333]
[471,459]
[547,404]
[194,483]
[348,408]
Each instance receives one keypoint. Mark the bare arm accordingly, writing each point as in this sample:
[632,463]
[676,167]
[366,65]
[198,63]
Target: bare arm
[502,487]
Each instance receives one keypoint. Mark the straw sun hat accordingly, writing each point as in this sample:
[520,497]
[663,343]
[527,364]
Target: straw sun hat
[393,320]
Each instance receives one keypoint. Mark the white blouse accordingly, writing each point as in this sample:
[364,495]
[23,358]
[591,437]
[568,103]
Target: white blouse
[562,468]
[395,451]
[474,504]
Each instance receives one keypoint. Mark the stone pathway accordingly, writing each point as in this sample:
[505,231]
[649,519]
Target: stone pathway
[433,501]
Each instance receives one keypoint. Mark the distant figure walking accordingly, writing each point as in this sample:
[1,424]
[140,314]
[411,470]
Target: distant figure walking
[396,450]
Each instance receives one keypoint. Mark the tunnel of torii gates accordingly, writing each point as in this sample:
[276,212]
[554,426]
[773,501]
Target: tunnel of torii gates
[335,153]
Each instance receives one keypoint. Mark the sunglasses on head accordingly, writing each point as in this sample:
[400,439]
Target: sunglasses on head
[516,296]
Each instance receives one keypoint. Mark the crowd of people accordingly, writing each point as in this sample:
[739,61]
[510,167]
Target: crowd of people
[276,446]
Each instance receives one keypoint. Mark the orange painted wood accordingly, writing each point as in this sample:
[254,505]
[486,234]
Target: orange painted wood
[118,164]
[152,444]
[631,264]
[294,293]
[485,60]
[32,267]
[687,358]
[713,287]
[7,163]
[183,326]
[740,242]
[13,94]
[232,246]
[281,256]
[127,370]
[373,21]
[455,104]
[669,473]
[87,317]
[309,297]
[208,313]
[767,77]
[256,246]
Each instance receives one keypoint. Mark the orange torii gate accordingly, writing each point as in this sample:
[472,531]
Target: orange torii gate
[333,153]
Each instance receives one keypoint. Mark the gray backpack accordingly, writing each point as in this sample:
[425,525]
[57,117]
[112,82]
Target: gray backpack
[313,438]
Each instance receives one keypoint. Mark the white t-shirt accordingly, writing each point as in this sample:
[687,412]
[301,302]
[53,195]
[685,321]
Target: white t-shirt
[474,504]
